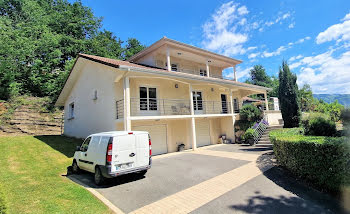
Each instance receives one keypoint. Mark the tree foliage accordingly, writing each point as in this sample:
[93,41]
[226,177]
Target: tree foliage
[259,77]
[287,95]
[40,40]
[305,98]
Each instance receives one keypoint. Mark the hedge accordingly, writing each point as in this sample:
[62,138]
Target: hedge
[324,161]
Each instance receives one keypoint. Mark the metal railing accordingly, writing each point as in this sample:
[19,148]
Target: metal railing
[259,129]
[161,107]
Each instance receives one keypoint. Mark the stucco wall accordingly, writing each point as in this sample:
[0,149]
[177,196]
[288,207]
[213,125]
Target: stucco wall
[274,117]
[91,115]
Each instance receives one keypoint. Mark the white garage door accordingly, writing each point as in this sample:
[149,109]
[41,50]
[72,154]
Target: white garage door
[158,136]
[202,133]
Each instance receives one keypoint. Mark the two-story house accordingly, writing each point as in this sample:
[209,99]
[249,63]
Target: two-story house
[174,91]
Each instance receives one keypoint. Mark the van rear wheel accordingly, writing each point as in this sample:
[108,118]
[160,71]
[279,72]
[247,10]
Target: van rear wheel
[99,179]
[75,167]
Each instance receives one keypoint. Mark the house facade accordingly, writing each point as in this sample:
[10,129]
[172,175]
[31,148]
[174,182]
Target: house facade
[174,91]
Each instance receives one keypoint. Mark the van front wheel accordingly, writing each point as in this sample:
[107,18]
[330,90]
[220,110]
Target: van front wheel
[99,179]
[75,167]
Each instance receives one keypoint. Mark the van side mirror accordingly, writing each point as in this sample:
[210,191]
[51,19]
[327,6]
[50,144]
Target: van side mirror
[78,149]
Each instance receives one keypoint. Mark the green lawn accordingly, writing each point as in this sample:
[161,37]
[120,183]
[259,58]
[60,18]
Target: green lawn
[32,177]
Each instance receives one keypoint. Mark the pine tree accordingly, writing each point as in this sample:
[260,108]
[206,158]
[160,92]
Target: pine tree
[288,95]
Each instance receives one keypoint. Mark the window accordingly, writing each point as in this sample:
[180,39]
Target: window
[71,111]
[174,67]
[148,99]
[224,103]
[203,72]
[235,105]
[197,100]
[84,147]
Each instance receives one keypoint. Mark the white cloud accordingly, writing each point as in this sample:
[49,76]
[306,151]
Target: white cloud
[221,33]
[339,32]
[282,48]
[253,55]
[293,58]
[347,17]
[324,72]
[291,25]
[279,19]
[252,48]
[242,10]
[274,53]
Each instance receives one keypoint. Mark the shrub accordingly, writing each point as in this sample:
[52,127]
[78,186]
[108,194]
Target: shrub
[324,161]
[248,134]
[250,113]
[345,116]
[243,125]
[319,125]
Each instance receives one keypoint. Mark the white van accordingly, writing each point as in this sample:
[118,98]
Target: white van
[110,154]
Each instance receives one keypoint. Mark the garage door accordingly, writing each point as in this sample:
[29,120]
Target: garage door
[202,133]
[158,136]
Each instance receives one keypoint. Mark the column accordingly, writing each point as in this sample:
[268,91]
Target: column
[234,72]
[208,71]
[193,121]
[231,103]
[168,59]
[127,121]
[266,102]
[233,117]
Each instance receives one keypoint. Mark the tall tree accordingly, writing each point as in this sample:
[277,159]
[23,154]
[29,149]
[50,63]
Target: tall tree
[305,98]
[40,39]
[259,77]
[288,96]
[132,47]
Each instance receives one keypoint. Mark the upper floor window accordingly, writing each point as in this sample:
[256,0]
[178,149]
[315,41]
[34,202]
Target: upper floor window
[71,111]
[203,73]
[148,99]
[174,67]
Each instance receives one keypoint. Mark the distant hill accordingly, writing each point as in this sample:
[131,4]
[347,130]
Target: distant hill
[343,99]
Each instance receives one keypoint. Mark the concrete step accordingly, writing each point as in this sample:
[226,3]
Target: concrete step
[264,138]
[264,142]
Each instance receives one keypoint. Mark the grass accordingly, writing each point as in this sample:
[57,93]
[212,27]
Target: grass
[32,177]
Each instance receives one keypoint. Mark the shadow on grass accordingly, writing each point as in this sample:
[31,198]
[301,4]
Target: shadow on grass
[309,200]
[65,145]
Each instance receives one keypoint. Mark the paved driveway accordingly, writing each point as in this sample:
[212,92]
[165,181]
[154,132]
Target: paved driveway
[214,179]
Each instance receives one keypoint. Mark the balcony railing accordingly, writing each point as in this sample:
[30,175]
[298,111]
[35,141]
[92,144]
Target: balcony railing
[163,107]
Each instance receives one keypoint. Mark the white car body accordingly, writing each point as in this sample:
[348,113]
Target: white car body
[131,152]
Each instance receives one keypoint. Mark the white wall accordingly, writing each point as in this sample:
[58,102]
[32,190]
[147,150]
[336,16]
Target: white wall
[91,115]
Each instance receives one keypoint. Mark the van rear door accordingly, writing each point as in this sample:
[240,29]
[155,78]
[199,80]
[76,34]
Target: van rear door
[124,152]
[142,149]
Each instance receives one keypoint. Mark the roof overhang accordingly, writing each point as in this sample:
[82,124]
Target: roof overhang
[173,43]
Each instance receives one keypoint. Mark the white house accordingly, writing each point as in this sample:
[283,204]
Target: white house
[174,91]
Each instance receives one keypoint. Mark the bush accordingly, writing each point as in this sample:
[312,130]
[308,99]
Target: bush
[319,125]
[345,116]
[250,113]
[248,134]
[324,161]
[243,125]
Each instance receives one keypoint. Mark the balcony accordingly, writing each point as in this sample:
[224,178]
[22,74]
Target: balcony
[168,107]
[189,71]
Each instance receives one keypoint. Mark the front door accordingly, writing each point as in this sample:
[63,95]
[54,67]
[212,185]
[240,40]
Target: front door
[224,104]
[83,162]
[197,102]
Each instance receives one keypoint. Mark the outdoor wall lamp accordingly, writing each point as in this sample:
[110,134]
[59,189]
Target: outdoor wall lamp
[176,85]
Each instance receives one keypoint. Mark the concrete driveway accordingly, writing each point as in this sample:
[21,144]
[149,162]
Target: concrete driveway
[213,179]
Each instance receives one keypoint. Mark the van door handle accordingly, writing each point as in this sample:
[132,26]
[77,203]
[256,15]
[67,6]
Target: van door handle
[132,154]
[85,154]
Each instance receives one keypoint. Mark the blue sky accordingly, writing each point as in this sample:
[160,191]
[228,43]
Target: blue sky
[313,36]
